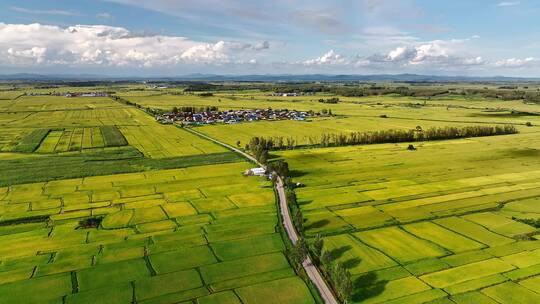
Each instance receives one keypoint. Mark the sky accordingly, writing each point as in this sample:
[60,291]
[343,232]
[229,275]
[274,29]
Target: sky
[181,37]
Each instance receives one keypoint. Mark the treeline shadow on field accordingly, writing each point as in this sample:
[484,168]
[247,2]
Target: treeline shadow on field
[296,173]
[317,224]
[366,285]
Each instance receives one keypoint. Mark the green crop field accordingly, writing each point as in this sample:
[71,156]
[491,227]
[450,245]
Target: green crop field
[175,220]
[153,240]
[99,203]
[390,213]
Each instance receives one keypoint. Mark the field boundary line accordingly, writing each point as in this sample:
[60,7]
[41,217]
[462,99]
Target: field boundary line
[311,270]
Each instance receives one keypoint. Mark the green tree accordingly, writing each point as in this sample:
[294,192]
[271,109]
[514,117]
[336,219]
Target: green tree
[301,249]
[298,220]
[318,246]
[290,196]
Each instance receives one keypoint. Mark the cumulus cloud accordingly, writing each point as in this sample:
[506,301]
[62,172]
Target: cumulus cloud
[100,45]
[517,62]
[330,58]
[433,55]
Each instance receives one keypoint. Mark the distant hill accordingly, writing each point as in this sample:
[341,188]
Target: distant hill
[267,78]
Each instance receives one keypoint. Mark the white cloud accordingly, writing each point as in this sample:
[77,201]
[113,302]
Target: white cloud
[205,52]
[330,58]
[517,62]
[508,3]
[100,45]
[427,56]
[43,12]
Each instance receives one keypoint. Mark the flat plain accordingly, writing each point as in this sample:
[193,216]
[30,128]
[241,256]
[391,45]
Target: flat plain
[101,204]
[177,222]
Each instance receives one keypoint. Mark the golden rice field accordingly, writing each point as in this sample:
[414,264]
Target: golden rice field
[435,224]
[202,233]
[351,114]
[440,224]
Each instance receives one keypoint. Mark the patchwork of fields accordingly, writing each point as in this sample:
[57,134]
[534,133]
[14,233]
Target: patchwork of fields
[185,226]
[101,204]
[204,233]
[428,225]
[88,123]
[364,114]
[64,140]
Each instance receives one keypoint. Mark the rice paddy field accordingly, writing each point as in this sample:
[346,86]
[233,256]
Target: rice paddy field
[435,224]
[360,114]
[203,233]
[101,204]
[438,224]
[81,123]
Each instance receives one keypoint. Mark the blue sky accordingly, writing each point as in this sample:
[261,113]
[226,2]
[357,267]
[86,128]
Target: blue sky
[178,37]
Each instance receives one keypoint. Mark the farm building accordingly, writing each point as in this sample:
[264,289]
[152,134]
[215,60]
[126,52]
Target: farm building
[255,172]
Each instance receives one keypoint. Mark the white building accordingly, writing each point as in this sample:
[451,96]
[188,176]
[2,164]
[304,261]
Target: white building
[255,172]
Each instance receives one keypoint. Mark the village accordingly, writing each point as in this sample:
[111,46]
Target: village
[214,116]
[69,94]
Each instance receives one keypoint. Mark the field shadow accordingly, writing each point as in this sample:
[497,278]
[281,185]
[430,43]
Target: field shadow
[296,173]
[305,202]
[527,152]
[338,252]
[351,263]
[367,286]
[273,156]
[317,224]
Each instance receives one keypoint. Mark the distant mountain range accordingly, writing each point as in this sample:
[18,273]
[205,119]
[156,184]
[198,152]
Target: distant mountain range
[267,78]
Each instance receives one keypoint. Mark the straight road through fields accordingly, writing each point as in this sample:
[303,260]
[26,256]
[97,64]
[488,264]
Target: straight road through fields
[311,270]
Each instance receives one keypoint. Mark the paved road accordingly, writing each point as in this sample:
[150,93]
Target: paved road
[311,269]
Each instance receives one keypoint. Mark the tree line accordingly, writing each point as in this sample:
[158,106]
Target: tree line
[332,100]
[193,109]
[259,144]
[335,272]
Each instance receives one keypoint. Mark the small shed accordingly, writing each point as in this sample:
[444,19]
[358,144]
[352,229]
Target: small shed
[255,172]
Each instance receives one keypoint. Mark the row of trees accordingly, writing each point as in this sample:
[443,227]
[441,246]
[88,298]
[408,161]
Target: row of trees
[335,272]
[386,136]
[193,109]
[502,93]
[259,147]
[332,100]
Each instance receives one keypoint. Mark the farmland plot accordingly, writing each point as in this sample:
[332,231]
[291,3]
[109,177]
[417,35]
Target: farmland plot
[67,140]
[154,242]
[158,141]
[444,228]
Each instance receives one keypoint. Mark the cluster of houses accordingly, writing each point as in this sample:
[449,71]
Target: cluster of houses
[292,94]
[233,116]
[71,94]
